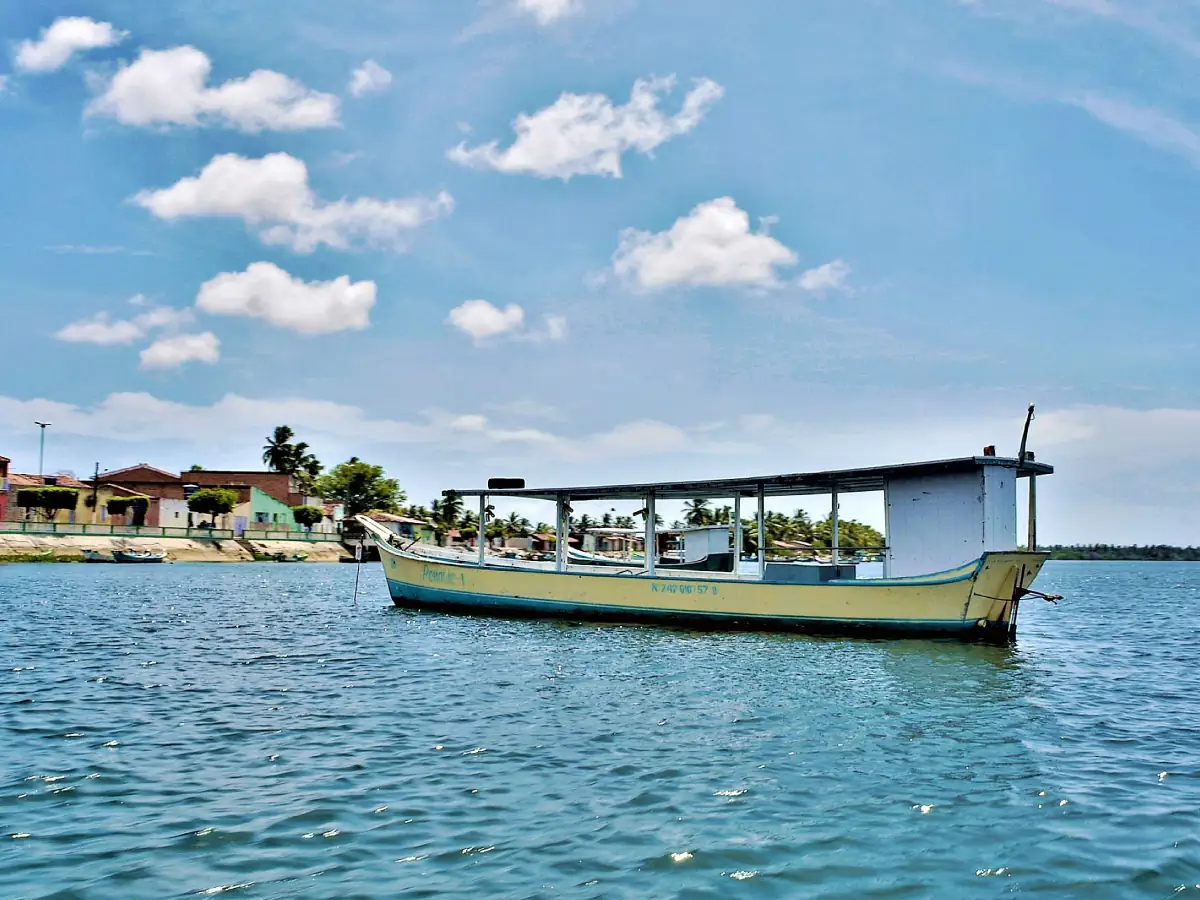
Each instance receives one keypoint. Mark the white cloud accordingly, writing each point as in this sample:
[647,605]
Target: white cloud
[102,330]
[265,291]
[369,77]
[273,194]
[1152,126]
[95,250]
[586,134]
[62,40]
[547,11]
[481,320]
[712,245]
[830,276]
[173,352]
[645,436]
[169,87]
[3,83]
[99,329]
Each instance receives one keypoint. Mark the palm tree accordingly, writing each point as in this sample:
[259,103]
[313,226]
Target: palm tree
[625,522]
[447,513]
[277,454]
[542,528]
[585,522]
[516,525]
[696,512]
[606,521]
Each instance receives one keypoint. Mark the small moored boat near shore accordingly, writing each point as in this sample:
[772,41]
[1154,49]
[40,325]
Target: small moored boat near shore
[951,565]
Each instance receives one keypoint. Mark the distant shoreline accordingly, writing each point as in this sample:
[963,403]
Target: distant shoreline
[1123,553]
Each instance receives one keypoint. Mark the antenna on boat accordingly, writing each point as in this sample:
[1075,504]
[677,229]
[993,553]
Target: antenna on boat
[1024,438]
[1024,456]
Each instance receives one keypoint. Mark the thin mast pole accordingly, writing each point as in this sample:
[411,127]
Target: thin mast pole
[559,553]
[95,493]
[482,537]
[651,543]
[42,449]
[833,517]
[762,529]
[737,535]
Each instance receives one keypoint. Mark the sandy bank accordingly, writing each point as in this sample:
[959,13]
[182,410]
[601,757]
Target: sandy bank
[70,547]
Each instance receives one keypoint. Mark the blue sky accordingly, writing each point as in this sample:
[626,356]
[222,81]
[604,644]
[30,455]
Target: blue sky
[824,233]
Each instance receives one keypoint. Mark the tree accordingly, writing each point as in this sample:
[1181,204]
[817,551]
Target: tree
[606,521]
[360,486]
[213,501]
[308,516]
[279,452]
[585,523]
[447,513]
[516,525]
[48,499]
[196,468]
[119,506]
[281,455]
[625,522]
[696,512]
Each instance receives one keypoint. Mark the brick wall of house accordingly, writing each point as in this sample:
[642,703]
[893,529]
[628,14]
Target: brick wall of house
[273,484]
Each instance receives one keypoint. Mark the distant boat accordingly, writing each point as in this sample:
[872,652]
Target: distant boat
[137,556]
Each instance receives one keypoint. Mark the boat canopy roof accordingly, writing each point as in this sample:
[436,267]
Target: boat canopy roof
[844,480]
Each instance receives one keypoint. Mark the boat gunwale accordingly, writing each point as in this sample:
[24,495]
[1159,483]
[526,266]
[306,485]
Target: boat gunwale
[965,572]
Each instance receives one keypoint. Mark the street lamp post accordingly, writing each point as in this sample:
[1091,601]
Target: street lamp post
[42,449]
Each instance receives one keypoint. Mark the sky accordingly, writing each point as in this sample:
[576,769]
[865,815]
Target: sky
[590,241]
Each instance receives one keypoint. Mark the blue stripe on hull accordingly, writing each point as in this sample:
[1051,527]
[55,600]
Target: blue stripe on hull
[419,597]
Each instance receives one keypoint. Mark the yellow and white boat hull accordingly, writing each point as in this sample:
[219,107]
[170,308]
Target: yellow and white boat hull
[976,601]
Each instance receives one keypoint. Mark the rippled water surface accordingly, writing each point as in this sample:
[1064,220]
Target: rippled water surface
[179,730]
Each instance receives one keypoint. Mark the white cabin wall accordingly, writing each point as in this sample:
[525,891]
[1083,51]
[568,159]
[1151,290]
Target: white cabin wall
[935,522]
[999,508]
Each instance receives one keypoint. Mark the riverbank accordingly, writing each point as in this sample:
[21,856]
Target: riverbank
[70,548]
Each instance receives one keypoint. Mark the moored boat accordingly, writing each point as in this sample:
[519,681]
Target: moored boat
[95,556]
[951,562]
[137,556]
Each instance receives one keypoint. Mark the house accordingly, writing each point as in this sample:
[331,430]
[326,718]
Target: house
[279,485]
[259,511]
[544,542]
[406,526]
[168,508]
[15,513]
[613,540]
[4,461]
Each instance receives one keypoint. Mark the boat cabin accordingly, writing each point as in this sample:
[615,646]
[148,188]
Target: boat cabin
[938,515]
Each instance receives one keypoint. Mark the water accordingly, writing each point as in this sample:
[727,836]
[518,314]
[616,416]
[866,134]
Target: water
[183,730]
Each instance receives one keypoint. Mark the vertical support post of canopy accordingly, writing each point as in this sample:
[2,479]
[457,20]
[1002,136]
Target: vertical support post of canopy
[737,534]
[560,539]
[1032,540]
[651,542]
[481,539]
[762,531]
[833,521]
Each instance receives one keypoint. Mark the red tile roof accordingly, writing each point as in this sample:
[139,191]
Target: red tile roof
[16,480]
[167,476]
